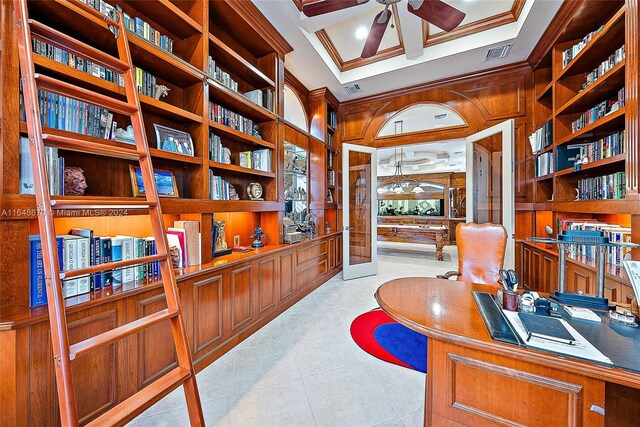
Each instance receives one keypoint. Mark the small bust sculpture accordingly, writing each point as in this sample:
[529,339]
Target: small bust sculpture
[161,91]
[258,234]
[221,241]
[75,183]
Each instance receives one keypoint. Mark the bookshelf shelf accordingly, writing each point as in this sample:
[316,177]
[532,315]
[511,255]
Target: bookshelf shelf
[166,110]
[545,94]
[236,168]
[238,102]
[608,123]
[614,160]
[161,154]
[544,150]
[242,68]
[605,86]
[57,70]
[610,37]
[163,64]
[621,206]
[238,136]
[168,15]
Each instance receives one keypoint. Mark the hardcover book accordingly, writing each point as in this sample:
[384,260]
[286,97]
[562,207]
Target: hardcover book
[545,327]
[37,285]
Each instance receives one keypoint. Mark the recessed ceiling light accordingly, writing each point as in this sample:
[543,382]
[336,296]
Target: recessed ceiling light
[362,33]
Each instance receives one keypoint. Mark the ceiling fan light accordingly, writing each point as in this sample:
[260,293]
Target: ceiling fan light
[362,33]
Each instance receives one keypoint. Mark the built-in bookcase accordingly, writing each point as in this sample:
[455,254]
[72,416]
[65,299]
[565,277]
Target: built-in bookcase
[580,118]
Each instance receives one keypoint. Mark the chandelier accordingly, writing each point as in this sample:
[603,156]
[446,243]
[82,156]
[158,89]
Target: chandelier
[399,183]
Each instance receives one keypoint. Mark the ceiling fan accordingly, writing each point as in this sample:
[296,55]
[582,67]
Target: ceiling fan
[434,11]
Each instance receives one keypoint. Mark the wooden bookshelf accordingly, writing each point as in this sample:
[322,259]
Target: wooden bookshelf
[561,95]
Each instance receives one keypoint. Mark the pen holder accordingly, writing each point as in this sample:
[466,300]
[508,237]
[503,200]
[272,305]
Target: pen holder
[510,300]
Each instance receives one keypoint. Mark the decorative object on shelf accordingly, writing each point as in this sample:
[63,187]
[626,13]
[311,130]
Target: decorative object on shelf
[258,234]
[172,140]
[75,183]
[161,91]
[125,136]
[254,191]
[165,181]
[291,233]
[331,177]
[327,228]
[329,196]
[226,155]
[256,132]
[221,239]
[311,221]
[233,194]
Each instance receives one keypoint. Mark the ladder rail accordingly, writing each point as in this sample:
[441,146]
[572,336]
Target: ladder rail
[57,318]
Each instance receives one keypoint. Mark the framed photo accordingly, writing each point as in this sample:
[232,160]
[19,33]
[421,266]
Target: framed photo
[172,140]
[165,181]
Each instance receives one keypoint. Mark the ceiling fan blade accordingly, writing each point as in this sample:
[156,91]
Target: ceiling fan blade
[372,44]
[320,7]
[438,13]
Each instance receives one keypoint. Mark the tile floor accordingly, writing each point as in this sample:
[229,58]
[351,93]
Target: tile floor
[303,369]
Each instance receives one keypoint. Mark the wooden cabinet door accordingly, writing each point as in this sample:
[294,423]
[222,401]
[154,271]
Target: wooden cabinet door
[267,284]
[154,352]
[207,315]
[339,251]
[527,266]
[580,279]
[613,291]
[242,298]
[332,253]
[548,273]
[536,266]
[286,275]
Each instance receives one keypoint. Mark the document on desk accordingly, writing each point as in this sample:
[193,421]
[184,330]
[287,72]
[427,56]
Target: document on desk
[581,348]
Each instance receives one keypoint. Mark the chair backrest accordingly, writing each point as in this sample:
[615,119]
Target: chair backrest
[480,252]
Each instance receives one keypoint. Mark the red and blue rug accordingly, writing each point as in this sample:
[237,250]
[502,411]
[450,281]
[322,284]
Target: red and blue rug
[381,336]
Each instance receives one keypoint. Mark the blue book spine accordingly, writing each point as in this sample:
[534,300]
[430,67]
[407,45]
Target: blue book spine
[156,264]
[37,285]
[97,260]
[139,25]
[107,276]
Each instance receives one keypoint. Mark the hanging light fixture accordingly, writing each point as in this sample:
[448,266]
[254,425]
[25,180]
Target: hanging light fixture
[399,183]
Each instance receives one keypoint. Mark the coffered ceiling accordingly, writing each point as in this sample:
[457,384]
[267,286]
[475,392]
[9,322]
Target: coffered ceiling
[327,47]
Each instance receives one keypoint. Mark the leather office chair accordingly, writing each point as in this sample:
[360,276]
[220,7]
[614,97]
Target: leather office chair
[480,253]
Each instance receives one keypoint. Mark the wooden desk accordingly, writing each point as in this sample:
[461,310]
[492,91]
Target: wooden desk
[475,381]
[415,234]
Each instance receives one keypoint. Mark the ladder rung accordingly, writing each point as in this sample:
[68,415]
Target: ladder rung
[64,275]
[72,91]
[72,45]
[76,144]
[93,343]
[130,408]
[100,204]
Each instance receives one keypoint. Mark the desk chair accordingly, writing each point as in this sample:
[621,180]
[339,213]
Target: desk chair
[480,253]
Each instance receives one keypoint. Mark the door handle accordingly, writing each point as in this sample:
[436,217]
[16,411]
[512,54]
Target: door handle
[345,228]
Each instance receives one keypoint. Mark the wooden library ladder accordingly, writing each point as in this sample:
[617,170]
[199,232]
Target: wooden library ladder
[63,353]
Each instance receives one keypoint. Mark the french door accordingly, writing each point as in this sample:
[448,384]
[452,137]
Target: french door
[490,189]
[359,211]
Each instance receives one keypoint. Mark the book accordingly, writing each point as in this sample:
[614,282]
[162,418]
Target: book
[105,257]
[182,238]
[70,262]
[175,250]
[128,253]
[116,255]
[37,285]
[84,232]
[84,256]
[545,327]
[192,233]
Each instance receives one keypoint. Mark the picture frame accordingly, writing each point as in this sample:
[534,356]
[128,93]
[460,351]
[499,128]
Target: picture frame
[173,140]
[165,181]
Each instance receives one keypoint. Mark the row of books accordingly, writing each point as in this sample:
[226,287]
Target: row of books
[145,82]
[261,97]
[68,114]
[50,51]
[574,50]
[544,164]
[611,186]
[609,146]
[332,119]
[220,75]
[219,189]
[542,137]
[613,60]
[55,169]
[217,152]
[257,159]
[331,177]
[135,25]
[599,111]
[330,158]
[614,233]
[81,249]
[224,116]
[329,140]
